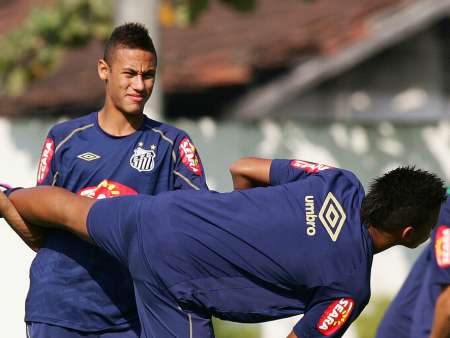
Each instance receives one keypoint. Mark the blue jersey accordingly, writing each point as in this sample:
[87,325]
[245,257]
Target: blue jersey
[74,284]
[410,315]
[397,320]
[295,247]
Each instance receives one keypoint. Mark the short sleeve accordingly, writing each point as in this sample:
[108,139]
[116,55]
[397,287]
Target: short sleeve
[284,171]
[188,169]
[46,164]
[441,254]
[327,318]
[112,224]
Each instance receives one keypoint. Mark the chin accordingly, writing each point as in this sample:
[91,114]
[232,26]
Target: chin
[415,245]
[133,111]
[412,246]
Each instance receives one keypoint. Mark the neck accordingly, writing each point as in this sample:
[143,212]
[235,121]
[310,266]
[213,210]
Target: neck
[381,239]
[117,123]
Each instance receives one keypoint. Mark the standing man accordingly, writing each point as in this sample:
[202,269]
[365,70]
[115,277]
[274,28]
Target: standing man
[76,290]
[303,242]
[421,309]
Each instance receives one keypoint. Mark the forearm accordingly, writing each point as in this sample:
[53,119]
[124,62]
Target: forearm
[32,236]
[249,172]
[53,207]
[441,320]
[292,335]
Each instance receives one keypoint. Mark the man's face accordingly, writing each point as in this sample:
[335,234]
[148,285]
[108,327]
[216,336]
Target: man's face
[422,232]
[130,77]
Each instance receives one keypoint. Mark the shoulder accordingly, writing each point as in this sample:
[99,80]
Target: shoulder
[343,177]
[168,132]
[64,129]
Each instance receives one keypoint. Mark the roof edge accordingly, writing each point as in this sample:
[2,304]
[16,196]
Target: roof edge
[382,31]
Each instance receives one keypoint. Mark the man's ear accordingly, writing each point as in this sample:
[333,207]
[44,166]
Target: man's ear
[407,235]
[103,69]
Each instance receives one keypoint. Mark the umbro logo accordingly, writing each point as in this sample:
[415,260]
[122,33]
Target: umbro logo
[332,216]
[89,156]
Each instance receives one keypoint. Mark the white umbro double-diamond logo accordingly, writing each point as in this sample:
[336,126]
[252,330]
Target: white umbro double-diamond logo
[332,216]
[89,156]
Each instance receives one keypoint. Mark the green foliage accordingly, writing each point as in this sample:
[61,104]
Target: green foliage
[34,49]
[366,325]
[224,329]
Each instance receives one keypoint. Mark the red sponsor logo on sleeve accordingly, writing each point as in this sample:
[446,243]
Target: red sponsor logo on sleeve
[310,167]
[334,316]
[107,189]
[189,156]
[45,161]
[442,246]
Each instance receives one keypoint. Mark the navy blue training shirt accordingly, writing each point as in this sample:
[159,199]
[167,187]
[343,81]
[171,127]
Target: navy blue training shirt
[410,315]
[72,283]
[252,255]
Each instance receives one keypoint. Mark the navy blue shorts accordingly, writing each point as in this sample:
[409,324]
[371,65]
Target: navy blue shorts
[41,330]
[162,317]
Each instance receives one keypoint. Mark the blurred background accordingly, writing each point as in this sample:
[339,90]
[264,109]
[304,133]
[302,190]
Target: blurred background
[360,84]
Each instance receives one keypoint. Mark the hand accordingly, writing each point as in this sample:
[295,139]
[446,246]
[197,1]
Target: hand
[32,236]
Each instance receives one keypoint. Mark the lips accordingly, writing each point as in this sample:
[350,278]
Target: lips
[136,97]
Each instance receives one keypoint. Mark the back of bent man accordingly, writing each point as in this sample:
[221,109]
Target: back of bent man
[248,256]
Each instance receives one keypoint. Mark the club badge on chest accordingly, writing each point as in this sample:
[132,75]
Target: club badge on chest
[143,159]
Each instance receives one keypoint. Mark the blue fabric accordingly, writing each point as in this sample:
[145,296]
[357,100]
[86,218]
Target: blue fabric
[41,330]
[397,320]
[410,314]
[72,283]
[245,256]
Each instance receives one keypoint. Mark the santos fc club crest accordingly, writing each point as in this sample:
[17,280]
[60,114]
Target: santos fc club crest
[143,159]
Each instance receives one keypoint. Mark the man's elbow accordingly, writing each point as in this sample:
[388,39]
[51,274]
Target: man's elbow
[443,302]
[238,167]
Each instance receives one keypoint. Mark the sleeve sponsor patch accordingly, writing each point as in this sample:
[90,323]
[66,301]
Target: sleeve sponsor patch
[46,158]
[310,167]
[107,189]
[334,316]
[189,156]
[442,246]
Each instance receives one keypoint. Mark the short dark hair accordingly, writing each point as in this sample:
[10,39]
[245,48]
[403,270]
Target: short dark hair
[402,197]
[131,35]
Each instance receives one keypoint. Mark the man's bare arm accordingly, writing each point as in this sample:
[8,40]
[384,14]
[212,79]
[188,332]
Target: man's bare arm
[32,236]
[53,207]
[292,335]
[441,321]
[249,172]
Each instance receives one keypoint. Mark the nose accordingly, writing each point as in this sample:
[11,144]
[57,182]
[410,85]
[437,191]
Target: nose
[138,83]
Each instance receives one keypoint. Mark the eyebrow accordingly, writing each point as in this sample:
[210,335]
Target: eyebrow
[128,69]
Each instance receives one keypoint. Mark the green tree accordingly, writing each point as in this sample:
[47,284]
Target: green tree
[35,48]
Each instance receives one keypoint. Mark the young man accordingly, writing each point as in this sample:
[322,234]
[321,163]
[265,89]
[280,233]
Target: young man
[421,309]
[75,288]
[303,244]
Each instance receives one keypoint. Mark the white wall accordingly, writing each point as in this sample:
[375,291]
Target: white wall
[17,168]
